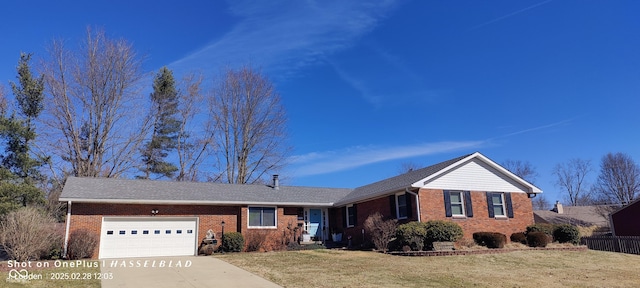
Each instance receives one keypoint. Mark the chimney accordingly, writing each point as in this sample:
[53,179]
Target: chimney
[276,183]
[558,208]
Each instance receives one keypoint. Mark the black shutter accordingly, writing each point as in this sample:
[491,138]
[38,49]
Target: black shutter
[507,199]
[490,205]
[447,203]
[344,217]
[408,197]
[467,204]
[355,215]
[392,207]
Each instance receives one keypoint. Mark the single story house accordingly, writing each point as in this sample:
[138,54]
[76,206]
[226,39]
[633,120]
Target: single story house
[585,216]
[624,221]
[142,218]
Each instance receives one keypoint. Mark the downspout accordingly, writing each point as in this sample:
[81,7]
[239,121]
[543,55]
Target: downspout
[417,202]
[66,234]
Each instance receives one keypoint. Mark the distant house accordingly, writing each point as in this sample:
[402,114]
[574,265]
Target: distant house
[142,218]
[624,221]
[585,216]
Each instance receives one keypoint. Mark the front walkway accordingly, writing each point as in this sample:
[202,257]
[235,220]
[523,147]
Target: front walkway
[188,271]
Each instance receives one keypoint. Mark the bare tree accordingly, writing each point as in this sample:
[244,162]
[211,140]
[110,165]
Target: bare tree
[571,177]
[522,169]
[407,167]
[250,123]
[619,179]
[93,105]
[540,203]
[192,148]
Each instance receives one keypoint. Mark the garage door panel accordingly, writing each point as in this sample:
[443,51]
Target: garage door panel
[147,237]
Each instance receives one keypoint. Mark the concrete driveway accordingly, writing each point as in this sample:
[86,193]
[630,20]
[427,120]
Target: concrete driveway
[188,271]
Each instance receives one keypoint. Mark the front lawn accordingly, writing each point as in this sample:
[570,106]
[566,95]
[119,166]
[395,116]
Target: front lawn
[338,268]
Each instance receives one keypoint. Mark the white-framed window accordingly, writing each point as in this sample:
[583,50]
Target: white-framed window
[497,200]
[351,215]
[456,199]
[401,206]
[262,217]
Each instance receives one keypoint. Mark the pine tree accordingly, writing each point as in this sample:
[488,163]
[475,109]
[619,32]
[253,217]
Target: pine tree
[166,127]
[20,173]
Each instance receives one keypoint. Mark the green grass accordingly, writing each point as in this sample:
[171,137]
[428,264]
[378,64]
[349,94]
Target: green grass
[336,268]
[52,276]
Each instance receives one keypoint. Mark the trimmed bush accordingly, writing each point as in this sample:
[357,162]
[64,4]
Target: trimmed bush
[412,234]
[232,242]
[438,231]
[566,233]
[537,239]
[491,240]
[81,245]
[546,228]
[518,237]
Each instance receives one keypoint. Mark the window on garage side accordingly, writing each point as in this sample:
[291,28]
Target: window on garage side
[262,217]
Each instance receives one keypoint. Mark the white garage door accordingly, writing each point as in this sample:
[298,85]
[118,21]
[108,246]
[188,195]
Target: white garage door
[147,237]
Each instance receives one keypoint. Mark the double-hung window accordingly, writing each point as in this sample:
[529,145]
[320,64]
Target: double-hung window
[401,206]
[351,215]
[458,204]
[497,203]
[262,217]
[500,205]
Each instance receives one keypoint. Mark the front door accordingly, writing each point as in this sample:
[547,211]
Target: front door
[315,223]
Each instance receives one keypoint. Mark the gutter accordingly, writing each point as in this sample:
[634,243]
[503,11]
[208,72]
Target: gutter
[66,233]
[406,190]
[195,202]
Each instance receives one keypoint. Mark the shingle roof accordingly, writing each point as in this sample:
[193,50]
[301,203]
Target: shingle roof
[148,191]
[397,183]
[575,215]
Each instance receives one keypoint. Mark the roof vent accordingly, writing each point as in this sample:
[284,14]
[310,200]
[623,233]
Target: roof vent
[276,182]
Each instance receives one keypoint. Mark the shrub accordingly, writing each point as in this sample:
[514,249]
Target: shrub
[490,239]
[232,242]
[81,244]
[256,240]
[412,234]
[381,231]
[542,227]
[519,237]
[438,230]
[537,239]
[566,233]
[27,233]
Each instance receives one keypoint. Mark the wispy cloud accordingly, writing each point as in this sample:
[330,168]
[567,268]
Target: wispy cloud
[559,123]
[509,15]
[334,161]
[283,36]
[317,163]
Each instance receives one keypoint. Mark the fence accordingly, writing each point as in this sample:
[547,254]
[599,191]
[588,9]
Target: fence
[623,244]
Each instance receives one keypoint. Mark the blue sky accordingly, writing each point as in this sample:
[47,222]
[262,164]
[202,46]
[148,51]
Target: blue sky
[369,85]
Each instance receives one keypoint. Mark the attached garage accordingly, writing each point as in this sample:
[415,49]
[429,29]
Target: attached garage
[122,237]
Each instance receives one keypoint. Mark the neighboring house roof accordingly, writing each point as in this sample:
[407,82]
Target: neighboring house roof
[109,190]
[472,170]
[576,215]
[431,175]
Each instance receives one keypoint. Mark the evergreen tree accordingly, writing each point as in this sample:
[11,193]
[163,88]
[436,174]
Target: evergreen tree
[20,173]
[166,127]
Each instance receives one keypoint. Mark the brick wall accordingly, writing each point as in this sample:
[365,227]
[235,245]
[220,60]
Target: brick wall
[433,208]
[89,216]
